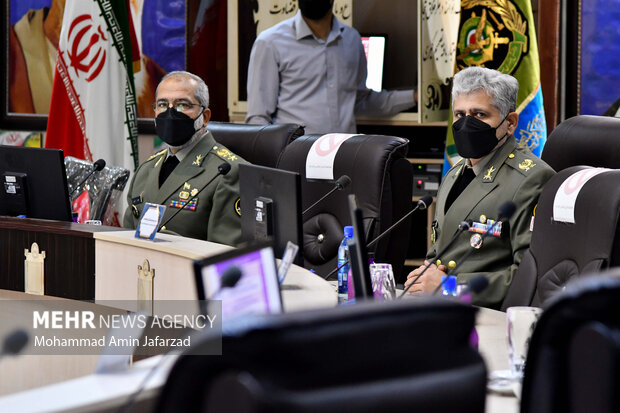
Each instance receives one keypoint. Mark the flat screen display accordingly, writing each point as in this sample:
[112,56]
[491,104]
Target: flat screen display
[374,48]
[271,207]
[256,292]
[34,183]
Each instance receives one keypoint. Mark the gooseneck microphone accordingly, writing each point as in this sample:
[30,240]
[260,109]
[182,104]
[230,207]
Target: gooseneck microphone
[463,226]
[506,210]
[421,205]
[98,165]
[476,285]
[340,184]
[223,169]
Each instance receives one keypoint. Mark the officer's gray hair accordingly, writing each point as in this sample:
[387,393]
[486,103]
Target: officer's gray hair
[202,91]
[500,87]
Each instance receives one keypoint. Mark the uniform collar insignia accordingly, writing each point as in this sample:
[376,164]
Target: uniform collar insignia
[489,174]
[198,160]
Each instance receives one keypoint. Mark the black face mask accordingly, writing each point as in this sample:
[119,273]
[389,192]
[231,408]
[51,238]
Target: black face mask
[474,138]
[174,127]
[314,9]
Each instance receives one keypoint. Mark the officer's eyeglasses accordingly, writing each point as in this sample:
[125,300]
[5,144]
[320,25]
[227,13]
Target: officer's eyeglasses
[178,105]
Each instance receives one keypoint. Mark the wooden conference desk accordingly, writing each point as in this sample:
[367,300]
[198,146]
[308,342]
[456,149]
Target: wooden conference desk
[69,255]
[118,255]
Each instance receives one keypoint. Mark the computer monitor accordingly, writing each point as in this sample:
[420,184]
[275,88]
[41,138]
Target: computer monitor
[374,48]
[256,292]
[34,183]
[358,254]
[271,207]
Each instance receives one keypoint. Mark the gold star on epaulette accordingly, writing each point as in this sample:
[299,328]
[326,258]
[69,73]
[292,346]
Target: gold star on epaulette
[488,176]
[526,165]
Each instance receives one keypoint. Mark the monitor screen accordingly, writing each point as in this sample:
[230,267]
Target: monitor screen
[358,254]
[256,292]
[271,207]
[374,48]
[34,183]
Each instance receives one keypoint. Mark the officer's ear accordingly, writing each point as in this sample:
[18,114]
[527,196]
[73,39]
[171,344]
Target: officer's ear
[206,115]
[512,120]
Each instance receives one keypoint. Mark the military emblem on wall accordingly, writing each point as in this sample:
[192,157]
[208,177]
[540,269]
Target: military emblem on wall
[493,34]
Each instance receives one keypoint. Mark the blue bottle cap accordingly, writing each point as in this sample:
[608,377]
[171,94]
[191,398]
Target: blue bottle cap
[449,287]
[348,231]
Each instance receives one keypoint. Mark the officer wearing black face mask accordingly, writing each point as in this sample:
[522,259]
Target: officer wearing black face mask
[175,177]
[493,171]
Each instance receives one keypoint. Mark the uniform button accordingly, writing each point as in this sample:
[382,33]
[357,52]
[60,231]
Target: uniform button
[451,264]
[512,155]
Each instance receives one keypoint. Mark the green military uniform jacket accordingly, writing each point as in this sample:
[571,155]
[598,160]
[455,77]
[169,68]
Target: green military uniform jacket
[512,174]
[216,215]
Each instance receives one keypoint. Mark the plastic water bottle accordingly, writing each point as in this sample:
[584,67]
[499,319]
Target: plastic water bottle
[343,257]
[449,286]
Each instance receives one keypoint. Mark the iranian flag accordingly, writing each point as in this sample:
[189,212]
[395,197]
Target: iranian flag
[93,108]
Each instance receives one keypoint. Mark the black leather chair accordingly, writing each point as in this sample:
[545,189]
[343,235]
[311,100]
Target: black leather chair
[257,144]
[105,188]
[584,140]
[400,356]
[382,181]
[573,363]
[560,251]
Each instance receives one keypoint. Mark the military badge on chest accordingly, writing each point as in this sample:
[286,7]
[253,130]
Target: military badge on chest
[186,198]
[482,227]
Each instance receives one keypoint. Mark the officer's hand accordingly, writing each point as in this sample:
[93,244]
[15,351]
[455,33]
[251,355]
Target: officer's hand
[428,281]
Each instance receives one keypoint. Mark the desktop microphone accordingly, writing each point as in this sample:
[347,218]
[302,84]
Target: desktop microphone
[463,226]
[229,279]
[421,205]
[223,169]
[97,166]
[14,343]
[504,213]
[340,184]
[475,285]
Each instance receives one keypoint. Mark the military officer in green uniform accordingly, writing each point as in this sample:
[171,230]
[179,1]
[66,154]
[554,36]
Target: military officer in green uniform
[175,176]
[493,171]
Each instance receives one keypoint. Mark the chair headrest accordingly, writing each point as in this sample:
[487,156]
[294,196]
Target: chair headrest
[584,140]
[257,144]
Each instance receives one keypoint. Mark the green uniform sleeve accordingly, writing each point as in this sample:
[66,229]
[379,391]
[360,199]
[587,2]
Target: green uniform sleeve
[224,224]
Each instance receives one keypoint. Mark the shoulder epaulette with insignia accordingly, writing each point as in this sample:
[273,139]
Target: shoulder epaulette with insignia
[522,162]
[225,154]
